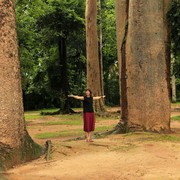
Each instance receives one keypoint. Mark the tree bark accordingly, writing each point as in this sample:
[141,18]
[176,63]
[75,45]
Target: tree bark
[16,146]
[173,78]
[121,32]
[173,82]
[145,76]
[100,48]
[93,70]
[65,107]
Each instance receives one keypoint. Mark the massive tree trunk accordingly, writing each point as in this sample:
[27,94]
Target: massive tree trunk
[145,66]
[16,146]
[93,70]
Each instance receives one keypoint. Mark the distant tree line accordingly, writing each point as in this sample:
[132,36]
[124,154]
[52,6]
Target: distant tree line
[53,51]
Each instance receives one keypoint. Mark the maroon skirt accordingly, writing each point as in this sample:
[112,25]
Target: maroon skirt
[89,121]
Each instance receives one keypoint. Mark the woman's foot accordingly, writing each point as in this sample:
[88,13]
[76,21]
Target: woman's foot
[89,140]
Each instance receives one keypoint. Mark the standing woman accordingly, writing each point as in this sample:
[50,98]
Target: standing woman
[88,112]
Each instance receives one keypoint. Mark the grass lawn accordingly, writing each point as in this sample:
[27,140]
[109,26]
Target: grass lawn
[176,118]
[67,119]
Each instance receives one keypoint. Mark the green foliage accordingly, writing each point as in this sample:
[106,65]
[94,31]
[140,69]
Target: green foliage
[39,24]
[174,19]
[111,78]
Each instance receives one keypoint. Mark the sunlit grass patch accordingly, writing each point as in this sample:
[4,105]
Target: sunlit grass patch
[48,110]
[169,138]
[64,122]
[73,117]
[176,118]
[32,116]
[148,136]
[76,132]
[104,128]
[177,103]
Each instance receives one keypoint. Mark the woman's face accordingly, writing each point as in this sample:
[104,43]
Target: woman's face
[88,93]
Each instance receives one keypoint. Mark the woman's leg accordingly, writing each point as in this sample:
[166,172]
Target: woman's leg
[88,136]
[90,140]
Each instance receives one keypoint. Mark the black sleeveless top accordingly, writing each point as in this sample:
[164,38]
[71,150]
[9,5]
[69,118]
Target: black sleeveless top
[88,104]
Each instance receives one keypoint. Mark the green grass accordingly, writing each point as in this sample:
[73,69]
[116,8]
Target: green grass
[66,133]
[176,118]
[104,128]
[32,116]
[169,138]
[147,136]
[76,132]
[177,103]
[64,122]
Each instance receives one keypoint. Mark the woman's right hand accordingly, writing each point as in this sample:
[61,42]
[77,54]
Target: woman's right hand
[71,95]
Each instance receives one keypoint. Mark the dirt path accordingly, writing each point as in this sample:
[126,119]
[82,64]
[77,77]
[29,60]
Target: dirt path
[125,157]
[116,157]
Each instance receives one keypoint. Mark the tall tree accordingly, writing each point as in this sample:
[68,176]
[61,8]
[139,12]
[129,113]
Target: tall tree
[121,9]
[60,24]
[173,81]
[100,47]
[174,16]
[93,70]
[145,66]
[16,146]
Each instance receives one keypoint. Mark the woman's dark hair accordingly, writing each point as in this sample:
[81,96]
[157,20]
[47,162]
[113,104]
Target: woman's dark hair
[89,91]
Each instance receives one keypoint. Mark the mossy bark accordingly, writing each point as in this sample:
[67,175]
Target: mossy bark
[28,150]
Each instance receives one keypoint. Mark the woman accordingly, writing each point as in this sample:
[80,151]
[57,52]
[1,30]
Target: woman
[88,112]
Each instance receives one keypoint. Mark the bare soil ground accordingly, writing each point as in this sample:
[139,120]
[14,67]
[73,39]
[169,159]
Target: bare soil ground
[125,157]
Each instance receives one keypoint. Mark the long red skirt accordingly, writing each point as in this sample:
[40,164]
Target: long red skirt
[89,121]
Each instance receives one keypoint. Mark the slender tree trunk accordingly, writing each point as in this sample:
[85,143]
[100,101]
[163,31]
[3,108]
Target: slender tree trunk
[16,146]
[145,66]
[93,71]
[173,78]
[121,32]
[173,81]
[65,107]
[100,47]
[167,41]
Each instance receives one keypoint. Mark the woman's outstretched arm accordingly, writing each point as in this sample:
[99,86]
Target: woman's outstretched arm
[98,97]
[76,97]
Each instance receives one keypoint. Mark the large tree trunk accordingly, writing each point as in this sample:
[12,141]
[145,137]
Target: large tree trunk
[145,66]
[93,70]
[147,84]
[16,146]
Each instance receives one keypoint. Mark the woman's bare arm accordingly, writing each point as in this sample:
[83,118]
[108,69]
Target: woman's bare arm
[98,97]
[76,97]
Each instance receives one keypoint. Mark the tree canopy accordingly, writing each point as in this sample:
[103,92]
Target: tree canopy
[40,24]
